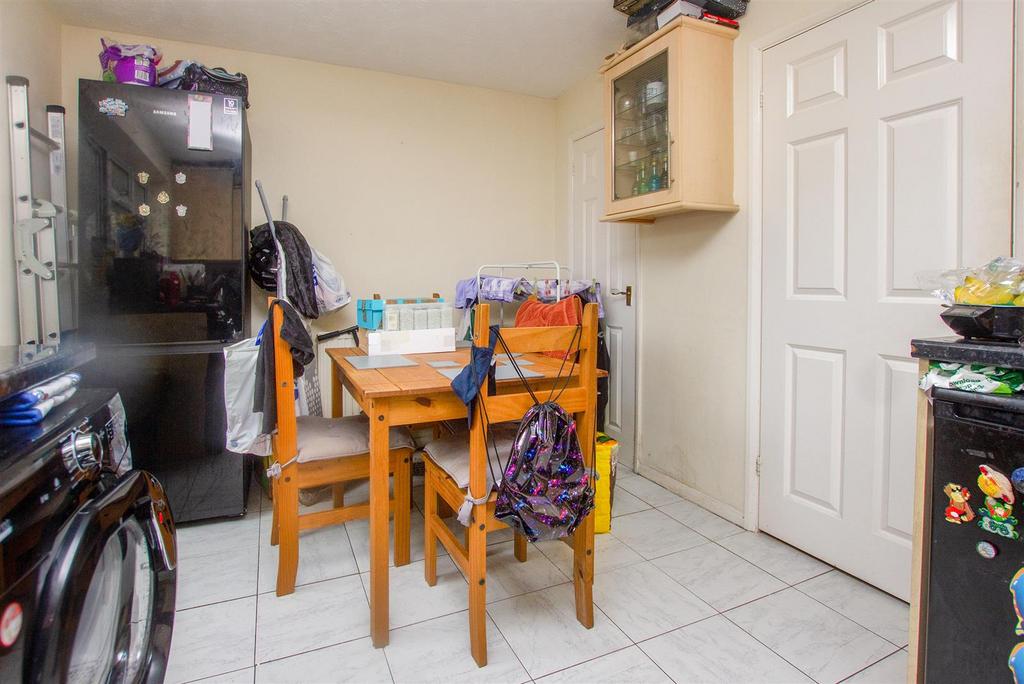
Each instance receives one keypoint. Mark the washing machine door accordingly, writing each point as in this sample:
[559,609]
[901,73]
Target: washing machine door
[107,605]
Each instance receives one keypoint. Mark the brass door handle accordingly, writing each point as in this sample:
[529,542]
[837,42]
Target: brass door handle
[628,292]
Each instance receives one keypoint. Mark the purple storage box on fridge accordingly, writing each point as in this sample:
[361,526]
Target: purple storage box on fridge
[134,64]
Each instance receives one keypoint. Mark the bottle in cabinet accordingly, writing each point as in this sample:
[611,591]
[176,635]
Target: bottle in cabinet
[655,182]
[683,154]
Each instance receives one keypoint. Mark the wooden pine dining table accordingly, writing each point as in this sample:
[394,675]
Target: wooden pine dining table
[407,395]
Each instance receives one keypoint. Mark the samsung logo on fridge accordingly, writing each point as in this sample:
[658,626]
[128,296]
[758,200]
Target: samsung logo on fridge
[164,112]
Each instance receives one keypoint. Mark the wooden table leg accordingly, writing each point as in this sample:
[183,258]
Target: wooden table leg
[379,453]
[336,393]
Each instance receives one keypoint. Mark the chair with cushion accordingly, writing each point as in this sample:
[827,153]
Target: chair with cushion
[459,467]
[314,451]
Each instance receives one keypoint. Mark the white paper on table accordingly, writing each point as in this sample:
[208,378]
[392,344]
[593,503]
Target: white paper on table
[200,122]
[500,373]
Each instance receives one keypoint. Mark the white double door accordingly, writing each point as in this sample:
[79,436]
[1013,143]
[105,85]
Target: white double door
[887,136]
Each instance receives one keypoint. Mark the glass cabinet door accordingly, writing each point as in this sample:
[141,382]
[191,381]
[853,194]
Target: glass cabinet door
[640,149]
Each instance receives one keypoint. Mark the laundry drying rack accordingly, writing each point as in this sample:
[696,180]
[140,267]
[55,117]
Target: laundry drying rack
[501,269]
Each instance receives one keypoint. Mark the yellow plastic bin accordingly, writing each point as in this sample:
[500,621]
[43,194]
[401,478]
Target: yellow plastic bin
[606,455]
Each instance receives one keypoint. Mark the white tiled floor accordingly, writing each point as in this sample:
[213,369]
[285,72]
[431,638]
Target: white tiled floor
[681,595]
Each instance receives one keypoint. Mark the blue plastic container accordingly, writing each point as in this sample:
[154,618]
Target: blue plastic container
[370,313]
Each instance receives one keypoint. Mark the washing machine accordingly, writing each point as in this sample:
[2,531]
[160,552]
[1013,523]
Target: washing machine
[87,551]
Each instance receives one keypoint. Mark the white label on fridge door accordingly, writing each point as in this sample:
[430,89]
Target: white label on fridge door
[230,105]
[200,122]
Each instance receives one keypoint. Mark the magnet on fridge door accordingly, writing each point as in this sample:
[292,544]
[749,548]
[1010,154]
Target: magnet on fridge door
[143,210]
[1017,478]
[163,197]
[112,106]
[181,209]
[143,177]
[996,518]
[1016,663]
[986,550]
[1017,591]
[11,621]
[997,514]
[200,122]
[958,511]
[994,484]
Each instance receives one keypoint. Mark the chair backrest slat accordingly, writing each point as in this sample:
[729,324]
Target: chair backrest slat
[514,406]
[284,439]
[530,340]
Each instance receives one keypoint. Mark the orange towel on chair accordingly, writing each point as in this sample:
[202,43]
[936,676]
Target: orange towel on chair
[535,314]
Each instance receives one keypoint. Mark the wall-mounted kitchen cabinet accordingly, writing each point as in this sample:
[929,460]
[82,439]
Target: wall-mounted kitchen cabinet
[668,123]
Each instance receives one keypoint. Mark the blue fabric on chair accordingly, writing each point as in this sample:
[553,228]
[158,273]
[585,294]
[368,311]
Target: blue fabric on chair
[466,384]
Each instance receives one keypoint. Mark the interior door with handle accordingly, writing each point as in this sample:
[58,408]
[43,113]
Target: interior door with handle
[628,292]
[606,252]
[887,153]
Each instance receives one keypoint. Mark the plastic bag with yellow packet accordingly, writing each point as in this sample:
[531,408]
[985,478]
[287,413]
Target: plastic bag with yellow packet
[1000,282]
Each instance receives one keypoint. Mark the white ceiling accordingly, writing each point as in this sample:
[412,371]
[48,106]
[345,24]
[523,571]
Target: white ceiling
[535,47]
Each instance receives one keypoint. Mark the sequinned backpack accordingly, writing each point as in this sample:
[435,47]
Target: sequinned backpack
[546,490]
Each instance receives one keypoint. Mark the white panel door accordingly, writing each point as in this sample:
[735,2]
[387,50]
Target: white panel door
[606,252]
[886,152]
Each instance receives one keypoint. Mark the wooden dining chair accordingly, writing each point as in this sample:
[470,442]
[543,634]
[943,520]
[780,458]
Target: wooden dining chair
[314,451]
[456,465]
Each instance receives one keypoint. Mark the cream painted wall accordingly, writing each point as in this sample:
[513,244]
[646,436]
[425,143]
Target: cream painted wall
[693,302]
[406,184]
[29,47]
[578,111]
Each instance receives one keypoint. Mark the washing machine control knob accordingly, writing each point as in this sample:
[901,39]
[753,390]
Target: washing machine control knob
[82,452]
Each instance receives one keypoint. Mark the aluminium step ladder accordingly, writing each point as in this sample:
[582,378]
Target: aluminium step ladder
[40,225]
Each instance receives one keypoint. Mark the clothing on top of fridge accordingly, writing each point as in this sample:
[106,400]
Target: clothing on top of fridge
[299,272]
[588,290]
[293,331]
[218,80]
[492,289]
[170,76]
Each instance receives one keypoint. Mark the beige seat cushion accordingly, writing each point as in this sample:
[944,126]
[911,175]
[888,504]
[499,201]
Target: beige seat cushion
[451,453]
[321,438]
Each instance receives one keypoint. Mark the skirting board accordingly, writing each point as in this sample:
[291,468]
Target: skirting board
[726,511]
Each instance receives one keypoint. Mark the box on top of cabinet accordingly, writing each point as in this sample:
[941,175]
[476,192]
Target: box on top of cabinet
[668,123]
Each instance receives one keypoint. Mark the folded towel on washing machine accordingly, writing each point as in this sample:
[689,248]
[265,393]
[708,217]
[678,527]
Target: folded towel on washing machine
[32,405]
[42,392]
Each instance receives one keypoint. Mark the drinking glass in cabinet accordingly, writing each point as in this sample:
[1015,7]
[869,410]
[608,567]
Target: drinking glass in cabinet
[641,137]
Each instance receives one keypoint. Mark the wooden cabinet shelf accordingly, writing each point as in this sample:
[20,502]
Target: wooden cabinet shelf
[668,123]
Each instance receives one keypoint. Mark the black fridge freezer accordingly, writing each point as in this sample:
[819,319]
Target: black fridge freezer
[974,555]
[162,287]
